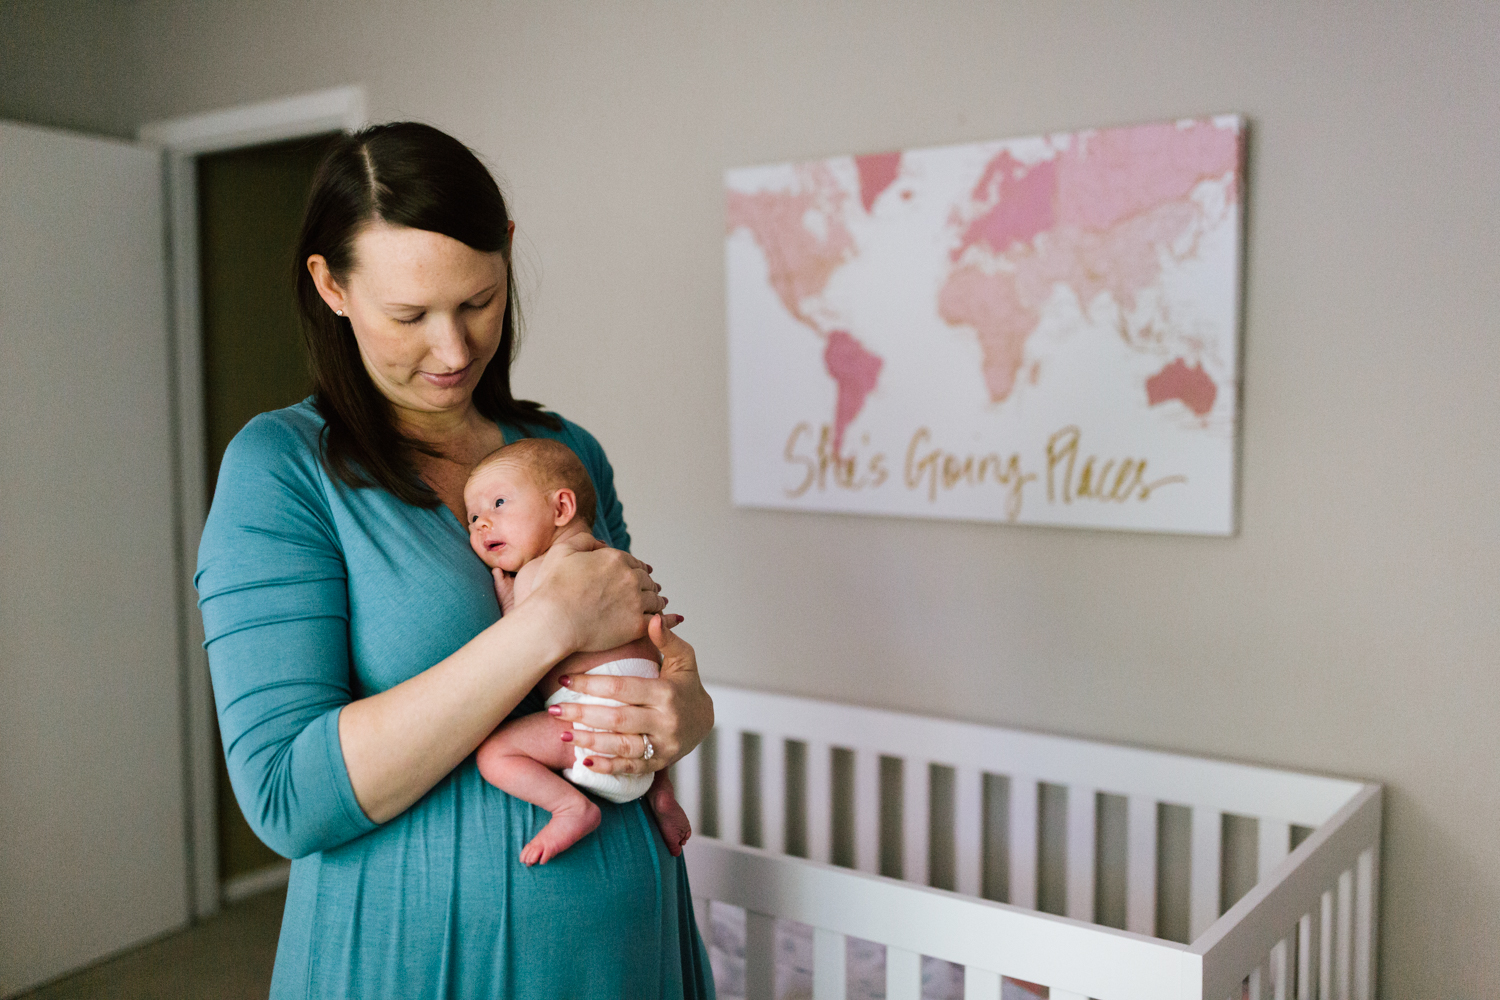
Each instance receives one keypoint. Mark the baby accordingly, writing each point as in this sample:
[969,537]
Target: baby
[522,500]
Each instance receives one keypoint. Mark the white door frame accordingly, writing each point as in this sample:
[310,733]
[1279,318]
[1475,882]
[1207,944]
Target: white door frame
[182,141]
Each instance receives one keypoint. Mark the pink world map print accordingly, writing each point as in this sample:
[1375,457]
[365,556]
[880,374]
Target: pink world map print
[1040,331]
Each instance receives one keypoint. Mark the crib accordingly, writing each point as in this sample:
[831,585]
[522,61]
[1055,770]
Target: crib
[822,826]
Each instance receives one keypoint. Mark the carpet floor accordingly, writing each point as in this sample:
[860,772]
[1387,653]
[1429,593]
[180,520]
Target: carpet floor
[227,957]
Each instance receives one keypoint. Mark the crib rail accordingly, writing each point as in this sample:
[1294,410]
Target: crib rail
[1306,929]
[989,939]
[1318,905]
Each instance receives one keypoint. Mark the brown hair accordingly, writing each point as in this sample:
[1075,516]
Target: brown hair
[553,465]
[403,174]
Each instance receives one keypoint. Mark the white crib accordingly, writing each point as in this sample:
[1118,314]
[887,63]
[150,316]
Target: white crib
[1306,929]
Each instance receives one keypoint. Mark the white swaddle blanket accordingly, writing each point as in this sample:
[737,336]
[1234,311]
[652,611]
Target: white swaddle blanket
[614,787]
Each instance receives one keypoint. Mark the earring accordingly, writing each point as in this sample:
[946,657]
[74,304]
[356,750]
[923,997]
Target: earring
[338,312]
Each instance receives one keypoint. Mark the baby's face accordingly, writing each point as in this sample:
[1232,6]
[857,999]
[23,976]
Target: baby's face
[511,519]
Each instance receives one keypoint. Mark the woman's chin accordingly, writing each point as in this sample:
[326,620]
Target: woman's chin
[440,398]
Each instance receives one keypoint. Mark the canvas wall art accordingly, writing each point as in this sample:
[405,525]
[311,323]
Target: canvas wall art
[1036,331]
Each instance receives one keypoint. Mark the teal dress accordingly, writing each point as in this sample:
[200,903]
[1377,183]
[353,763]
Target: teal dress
[314,594]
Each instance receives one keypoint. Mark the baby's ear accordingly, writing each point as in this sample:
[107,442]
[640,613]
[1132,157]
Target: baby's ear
[564,506]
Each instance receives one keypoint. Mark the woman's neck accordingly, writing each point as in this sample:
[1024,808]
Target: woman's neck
[440,428]
[460,438]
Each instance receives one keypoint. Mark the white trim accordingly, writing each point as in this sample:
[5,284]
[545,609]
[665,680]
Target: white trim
[256,882]
[182,141]
[255,124]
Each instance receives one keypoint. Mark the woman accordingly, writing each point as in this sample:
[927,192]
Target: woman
[357,651]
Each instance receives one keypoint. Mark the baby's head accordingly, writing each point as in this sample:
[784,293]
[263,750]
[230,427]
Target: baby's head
[525,496]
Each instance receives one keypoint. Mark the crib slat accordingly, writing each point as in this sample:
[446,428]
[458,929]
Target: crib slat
[1203,899]
[819,801]
[830,965]
[1305,965]
[1140,865]
[1325,948]
[1364,927]
[867,811]
[687,782]
[1023,834]
[968,828]
[730,787]
[903,974]
[1082,817]
[916,819]
[773,792]
[1279,970]
[760,956]
[980,984]
[1345,932]
[1253,988]
[1275,844]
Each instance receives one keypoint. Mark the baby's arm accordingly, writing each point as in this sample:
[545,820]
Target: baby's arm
[512,590]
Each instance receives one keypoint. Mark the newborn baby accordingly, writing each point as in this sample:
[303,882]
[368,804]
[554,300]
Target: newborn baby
[521,500]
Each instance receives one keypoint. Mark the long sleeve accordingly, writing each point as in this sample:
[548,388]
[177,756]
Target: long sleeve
[272,588]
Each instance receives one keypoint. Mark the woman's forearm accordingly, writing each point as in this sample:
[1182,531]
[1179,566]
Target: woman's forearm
[399,743]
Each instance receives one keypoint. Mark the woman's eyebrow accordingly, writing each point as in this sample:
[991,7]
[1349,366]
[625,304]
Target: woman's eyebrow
[408,305]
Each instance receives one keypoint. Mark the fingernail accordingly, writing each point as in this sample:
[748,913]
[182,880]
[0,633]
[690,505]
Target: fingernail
[567,737]
[588,762]
[565,681]
[555,710]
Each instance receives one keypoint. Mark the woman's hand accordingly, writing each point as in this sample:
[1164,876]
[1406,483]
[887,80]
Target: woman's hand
[673,711]
[596,597]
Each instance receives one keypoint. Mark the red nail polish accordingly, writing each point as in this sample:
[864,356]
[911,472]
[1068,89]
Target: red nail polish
[588,762]
[565,681]
[555,710]
[567,737]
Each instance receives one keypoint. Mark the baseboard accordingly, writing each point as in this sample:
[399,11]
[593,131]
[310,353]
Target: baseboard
[254,883]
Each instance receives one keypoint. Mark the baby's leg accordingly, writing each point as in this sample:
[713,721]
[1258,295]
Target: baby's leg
[670,817]
[522,757]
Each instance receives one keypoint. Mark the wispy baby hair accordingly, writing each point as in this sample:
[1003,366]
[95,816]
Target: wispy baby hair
[552,465]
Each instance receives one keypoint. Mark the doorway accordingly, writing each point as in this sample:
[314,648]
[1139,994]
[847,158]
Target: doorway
[250,203]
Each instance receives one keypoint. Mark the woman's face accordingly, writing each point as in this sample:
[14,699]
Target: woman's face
[427,312]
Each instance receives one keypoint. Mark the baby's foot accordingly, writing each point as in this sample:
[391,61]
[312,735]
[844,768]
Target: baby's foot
[674,824]
[568,825]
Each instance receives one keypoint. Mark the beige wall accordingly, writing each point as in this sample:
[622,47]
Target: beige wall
[66,63]
[1350,628]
